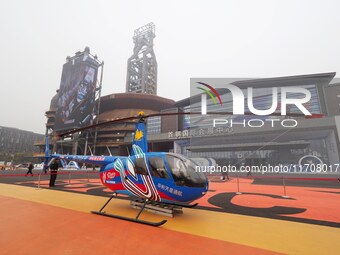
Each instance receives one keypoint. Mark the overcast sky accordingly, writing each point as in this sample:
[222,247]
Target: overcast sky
[193,39]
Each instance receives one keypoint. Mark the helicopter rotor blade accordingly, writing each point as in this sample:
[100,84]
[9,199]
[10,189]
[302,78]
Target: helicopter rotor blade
[138,117]
[97,125]
[141,116]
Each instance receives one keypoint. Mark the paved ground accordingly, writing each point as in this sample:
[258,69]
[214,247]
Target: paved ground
[258,221]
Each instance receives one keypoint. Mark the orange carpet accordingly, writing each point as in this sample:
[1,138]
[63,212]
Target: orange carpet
[34,228]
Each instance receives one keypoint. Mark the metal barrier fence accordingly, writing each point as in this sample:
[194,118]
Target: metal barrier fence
[87,173]
[69,175]
[283,181]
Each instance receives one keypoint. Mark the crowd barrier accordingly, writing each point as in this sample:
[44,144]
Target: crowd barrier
[282,178]
[237,177]
[60,172]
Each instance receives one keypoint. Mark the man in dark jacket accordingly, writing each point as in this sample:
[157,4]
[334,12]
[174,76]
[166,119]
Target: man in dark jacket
[54,171]
[30,168]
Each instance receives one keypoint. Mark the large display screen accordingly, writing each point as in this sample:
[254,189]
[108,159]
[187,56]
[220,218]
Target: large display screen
[76,93]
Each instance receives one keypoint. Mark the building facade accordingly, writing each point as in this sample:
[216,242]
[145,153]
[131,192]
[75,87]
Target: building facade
[15,141]
[316,136]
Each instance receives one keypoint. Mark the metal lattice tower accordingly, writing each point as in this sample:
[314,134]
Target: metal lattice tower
[142,65]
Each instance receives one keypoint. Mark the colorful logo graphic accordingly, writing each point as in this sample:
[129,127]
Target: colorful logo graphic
[210,92]
[138,135]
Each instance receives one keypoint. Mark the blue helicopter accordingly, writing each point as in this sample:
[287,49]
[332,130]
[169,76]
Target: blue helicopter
[161,177]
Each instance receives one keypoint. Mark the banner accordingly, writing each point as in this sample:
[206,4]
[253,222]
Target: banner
[76,93]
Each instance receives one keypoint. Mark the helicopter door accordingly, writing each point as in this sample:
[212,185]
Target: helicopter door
[157,168]
[183,172]
[140,166]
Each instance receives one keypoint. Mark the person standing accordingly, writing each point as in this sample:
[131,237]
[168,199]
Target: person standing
[30,168]
[225,172]
[54,166]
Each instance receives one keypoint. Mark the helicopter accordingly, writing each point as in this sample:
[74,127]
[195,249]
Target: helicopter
[162,177]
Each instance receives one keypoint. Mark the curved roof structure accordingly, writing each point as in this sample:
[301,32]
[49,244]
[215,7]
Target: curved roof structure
[134,101]
[120,105]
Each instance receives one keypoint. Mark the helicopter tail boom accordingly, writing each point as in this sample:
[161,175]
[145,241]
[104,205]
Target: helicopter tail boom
[94,160]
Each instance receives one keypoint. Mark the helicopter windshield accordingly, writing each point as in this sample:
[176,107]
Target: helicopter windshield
[183,171]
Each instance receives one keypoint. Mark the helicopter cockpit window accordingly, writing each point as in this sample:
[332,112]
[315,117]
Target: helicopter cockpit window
[140,166]
[183,172]
[157,167]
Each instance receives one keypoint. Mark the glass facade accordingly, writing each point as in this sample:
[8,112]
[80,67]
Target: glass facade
[317,148]
[154,125]
[240,145]
[268,144]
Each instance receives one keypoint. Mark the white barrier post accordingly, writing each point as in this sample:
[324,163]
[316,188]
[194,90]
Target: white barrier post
[238,186]
[39,181]
[284,188]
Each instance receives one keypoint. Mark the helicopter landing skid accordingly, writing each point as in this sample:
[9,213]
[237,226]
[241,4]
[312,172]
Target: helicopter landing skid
[157,207]
[181,205]
[137,220]
[163,208]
